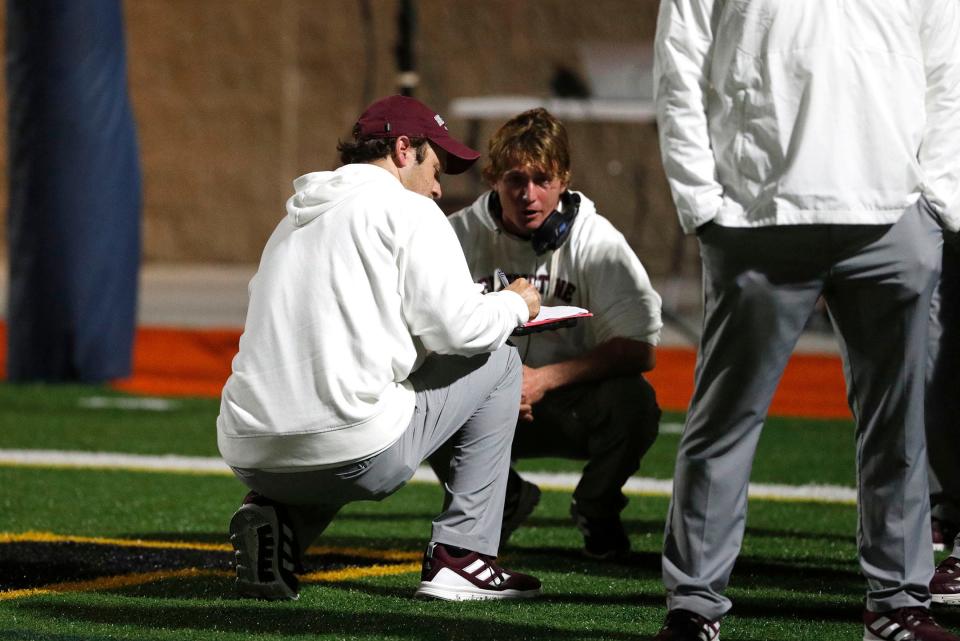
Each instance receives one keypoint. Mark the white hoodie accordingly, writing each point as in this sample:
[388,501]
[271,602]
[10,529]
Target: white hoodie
[594,268]
[355,285]
[783,112]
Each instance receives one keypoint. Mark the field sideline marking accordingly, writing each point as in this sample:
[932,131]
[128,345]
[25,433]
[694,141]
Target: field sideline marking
[146,403]
[550,480]
[348,574]
[50,537]
[110,582]
[142,578]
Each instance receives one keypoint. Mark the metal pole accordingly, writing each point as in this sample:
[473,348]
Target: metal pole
[407,77]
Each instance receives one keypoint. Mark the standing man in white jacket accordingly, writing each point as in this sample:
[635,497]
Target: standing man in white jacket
[814,148]
[366,347]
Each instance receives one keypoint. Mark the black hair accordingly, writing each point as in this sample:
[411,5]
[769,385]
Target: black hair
[371,149]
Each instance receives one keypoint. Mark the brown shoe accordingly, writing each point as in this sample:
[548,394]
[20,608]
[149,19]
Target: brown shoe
[903,624]
[945,584]
[684,625]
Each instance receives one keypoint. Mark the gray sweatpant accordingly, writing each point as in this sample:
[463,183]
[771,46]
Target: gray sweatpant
[760,286]
[472,402]
[609,423]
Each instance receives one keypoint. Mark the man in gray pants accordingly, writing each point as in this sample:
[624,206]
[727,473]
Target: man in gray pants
[366,347]
[812,146]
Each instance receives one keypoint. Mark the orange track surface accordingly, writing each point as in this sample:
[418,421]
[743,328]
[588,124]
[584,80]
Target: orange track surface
[196,362]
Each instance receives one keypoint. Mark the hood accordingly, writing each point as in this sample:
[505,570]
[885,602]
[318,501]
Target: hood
[318,192]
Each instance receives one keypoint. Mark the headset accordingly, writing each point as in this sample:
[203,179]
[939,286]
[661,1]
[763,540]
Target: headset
[555,228]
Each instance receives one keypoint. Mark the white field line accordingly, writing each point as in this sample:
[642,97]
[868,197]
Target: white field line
[148,403]
[671,428]
[552,480]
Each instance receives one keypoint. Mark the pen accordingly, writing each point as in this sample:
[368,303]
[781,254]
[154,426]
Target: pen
[502,277]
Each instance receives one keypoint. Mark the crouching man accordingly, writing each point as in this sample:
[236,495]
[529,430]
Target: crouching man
[584,395]
[367,346]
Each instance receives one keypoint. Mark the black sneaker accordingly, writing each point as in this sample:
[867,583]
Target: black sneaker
[945,584]
[684,625]
[603,537]
[265,549]
[471,577]
[903,624]
[522,498]
[943,533]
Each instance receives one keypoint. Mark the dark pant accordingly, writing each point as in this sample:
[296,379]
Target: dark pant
[610,424]
[943,401]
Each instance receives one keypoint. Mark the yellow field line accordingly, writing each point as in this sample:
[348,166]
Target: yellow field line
[348,574]
[141,578]
[110,582]
[50,537]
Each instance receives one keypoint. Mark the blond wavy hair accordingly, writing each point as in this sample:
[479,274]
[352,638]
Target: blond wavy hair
[535,139]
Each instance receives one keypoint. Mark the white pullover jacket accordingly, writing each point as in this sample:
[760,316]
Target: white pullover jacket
[781,112]
[355,285]
[595,268]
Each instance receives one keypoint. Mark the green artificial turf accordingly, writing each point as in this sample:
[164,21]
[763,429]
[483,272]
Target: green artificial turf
[796,579]
[51,417]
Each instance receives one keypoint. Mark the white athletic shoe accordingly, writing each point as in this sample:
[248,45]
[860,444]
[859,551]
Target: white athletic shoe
[471,577]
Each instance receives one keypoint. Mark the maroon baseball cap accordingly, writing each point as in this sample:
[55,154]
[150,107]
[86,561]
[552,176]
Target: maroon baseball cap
[404,116]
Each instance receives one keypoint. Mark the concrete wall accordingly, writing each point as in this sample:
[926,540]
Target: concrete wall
[235,98]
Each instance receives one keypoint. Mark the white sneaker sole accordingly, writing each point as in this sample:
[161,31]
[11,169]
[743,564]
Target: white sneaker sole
[462,593]
[946,599]
[243,529]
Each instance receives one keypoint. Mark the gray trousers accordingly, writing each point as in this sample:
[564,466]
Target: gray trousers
[471,402]
[943,402]
[760,286]
[610,424]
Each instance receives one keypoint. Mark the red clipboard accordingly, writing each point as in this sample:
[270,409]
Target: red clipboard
[551,318]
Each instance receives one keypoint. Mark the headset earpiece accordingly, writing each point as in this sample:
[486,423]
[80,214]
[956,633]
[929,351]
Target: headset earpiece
[556,227]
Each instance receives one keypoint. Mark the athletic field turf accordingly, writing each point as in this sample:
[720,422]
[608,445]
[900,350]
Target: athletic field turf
[120,552]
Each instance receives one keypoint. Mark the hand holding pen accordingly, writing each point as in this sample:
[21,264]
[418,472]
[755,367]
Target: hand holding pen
[502,278]
[522,287]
